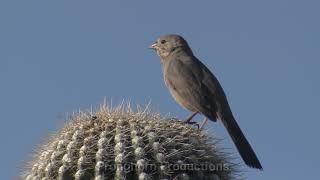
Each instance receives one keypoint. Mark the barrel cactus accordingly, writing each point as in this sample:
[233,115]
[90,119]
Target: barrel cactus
[122,144]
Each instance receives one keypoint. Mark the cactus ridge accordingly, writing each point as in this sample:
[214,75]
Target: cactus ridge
[122,144]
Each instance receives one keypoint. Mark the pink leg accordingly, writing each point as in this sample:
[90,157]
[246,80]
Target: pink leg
[188,120]
[204,123]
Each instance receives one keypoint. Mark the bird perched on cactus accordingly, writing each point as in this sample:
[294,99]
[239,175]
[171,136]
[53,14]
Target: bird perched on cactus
[195,88]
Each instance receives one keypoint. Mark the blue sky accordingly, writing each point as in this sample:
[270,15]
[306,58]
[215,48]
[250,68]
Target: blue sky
[59,56]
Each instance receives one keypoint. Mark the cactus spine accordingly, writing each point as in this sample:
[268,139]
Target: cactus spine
[122,144]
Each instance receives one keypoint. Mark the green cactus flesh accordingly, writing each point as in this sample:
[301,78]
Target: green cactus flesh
[122,144]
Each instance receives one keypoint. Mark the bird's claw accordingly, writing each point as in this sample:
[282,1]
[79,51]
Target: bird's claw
[193,123]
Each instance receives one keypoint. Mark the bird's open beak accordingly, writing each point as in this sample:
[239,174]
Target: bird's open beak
[153,46]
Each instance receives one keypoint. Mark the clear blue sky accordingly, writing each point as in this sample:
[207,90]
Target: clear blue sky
[58,56]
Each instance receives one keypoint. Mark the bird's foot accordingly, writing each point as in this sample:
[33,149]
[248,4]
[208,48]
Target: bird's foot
[94,117]
[193,123]
[189,120]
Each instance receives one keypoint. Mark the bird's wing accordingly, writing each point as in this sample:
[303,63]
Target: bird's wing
[223,112]
[185,77]
[211,84]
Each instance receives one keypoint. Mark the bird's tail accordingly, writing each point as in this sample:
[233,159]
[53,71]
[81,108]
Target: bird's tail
[242,144]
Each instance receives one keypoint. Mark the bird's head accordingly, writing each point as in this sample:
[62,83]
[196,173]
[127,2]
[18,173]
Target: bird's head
[167,44]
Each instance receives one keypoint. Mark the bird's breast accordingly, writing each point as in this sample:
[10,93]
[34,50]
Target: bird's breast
[175,86]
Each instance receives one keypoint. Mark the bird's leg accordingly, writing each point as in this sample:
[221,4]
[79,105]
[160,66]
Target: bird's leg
[204,122]
[189,119]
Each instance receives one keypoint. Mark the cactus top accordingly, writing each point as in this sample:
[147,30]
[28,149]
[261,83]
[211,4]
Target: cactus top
[122,144]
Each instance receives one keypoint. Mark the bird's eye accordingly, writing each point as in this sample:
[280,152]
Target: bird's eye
[163,41]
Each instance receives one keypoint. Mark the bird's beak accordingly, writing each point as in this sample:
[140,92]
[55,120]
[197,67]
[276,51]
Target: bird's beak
[153,46]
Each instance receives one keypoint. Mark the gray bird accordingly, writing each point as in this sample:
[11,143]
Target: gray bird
[195,88]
